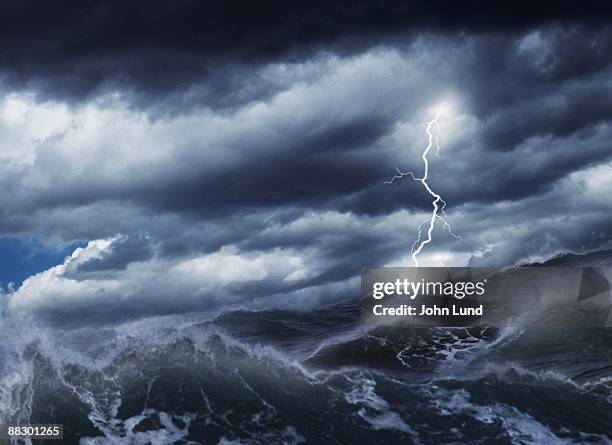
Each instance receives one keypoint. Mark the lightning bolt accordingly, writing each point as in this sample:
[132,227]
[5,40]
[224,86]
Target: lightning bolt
[438,203]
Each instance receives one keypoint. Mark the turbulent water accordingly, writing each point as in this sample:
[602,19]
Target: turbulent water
[290,377]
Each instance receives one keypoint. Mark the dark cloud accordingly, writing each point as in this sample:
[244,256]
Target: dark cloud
[72,49]
[549,81]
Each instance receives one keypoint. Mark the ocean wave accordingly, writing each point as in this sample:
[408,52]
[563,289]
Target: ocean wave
[200,384]
[287,376]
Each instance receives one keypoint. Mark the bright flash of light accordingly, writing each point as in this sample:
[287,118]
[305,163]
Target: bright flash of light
[438,203]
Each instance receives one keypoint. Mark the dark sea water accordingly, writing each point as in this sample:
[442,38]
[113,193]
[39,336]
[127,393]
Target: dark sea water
[317,377]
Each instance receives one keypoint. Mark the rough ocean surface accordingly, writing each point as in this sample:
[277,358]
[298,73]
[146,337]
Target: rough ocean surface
[281,376]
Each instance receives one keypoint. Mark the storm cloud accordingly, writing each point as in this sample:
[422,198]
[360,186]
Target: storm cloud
[207,155]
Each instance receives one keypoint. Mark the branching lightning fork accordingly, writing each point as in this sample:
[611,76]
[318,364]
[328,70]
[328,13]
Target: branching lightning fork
[438,203]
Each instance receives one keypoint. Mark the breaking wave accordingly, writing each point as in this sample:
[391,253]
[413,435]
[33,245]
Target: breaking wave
[289,377]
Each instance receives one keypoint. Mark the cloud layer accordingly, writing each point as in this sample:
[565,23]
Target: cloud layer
[69,49]
[238,165]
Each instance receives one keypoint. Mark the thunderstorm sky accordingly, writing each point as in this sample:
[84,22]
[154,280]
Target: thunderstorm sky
[201,155]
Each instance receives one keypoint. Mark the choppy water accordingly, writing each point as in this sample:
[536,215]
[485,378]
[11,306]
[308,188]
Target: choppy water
[290,377]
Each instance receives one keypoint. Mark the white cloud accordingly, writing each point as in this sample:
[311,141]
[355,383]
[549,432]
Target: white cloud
[167,285]
[26,125]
